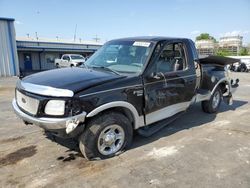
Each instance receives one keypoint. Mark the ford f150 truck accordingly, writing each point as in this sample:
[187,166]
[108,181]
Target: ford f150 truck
[140,83]
[70,60]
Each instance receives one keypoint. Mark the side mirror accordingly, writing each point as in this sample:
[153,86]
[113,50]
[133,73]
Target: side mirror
[155,75]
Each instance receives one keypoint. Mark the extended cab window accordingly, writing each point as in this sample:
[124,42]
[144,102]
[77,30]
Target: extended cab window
[172,58]
[66,58]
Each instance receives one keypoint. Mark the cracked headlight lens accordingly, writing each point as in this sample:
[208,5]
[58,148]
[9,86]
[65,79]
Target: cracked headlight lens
[55,107]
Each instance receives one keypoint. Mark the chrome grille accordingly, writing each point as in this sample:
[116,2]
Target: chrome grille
[27,103]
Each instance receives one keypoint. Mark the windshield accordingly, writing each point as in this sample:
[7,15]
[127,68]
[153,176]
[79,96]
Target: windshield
[76,57]
[128,57]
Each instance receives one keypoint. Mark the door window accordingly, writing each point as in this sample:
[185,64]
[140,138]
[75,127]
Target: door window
[66,58]
[171,59]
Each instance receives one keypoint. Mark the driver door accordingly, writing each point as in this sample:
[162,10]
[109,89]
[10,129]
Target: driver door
[65,61]
[169,83]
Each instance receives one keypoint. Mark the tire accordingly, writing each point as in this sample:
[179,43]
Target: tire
[57,65]
[92,143]
[213,104]
[71,65]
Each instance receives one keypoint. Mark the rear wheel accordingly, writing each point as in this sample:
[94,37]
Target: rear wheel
[213,104]
[57,65]
[105,136]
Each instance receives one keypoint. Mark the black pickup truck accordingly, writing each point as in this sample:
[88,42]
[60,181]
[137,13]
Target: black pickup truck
[140,83]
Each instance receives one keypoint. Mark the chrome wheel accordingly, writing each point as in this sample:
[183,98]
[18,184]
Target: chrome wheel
[111,140]
[216,99]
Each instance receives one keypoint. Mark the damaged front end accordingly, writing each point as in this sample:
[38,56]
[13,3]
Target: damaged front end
[55,110]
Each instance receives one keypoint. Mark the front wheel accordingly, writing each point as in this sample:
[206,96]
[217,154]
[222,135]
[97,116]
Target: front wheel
[213,104]
[105,136]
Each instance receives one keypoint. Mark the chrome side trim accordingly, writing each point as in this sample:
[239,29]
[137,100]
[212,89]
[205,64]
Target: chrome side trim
[221,81]
[94,93]
[44,90]
[47,123]
[199,98]
[138,120]
[166,112]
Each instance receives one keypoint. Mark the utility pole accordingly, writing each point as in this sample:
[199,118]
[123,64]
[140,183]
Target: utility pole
[96,38]
[75,33]
[36,36]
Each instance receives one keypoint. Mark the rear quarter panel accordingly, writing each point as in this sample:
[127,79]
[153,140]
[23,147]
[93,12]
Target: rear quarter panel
[211,75]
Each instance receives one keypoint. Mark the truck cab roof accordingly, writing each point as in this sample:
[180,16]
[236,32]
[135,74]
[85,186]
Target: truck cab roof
[150,38]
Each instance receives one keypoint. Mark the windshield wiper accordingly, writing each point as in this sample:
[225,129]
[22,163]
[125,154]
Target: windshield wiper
[105,68]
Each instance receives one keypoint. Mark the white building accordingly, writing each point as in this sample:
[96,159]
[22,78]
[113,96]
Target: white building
[231,44]
[205,47]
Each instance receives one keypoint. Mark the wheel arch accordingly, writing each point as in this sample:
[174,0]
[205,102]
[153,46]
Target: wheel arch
[222,83]
[121,106]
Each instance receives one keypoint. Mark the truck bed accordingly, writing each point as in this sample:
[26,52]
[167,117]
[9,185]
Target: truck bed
[218,60]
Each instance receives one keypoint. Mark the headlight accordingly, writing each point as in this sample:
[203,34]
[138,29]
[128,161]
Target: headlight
[55,107]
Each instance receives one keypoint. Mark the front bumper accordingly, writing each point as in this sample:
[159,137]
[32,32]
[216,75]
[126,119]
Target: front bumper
[48,123]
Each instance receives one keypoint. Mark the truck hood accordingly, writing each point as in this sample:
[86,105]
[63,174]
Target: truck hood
[74,79]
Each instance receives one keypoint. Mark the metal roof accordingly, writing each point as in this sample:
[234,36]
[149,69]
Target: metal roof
[7,19]
[57,41]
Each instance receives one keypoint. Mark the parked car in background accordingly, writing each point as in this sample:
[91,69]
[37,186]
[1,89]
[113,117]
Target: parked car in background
[70,60]
[240,67]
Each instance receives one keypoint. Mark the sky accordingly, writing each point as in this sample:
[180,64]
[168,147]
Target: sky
[110,19]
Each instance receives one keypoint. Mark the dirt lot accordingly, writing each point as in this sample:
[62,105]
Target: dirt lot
[197,150]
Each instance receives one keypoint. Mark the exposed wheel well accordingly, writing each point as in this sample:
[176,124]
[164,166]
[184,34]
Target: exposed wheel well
[126,112]
[224,87]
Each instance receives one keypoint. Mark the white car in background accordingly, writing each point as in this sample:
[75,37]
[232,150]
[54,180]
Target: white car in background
[70,60]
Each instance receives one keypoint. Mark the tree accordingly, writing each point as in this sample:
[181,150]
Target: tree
[243,51]
[205,36]
[222,52]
